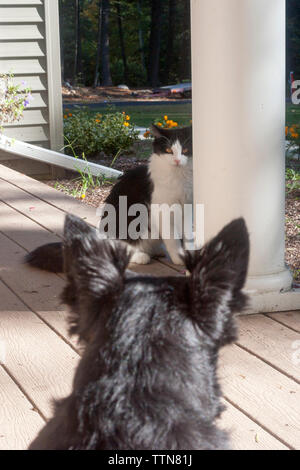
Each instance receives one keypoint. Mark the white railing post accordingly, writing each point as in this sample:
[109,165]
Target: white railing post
[238,52]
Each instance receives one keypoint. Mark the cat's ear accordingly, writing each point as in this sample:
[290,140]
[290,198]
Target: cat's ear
[156,131]
[218,274]
[95,272]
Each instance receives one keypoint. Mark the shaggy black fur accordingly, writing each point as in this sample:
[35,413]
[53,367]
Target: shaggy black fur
[147,379]
[48,257]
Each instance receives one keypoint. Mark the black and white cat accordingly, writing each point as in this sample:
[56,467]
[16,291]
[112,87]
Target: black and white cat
[166,181]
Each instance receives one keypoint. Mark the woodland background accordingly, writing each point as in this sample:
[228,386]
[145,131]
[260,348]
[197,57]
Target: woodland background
[139,42]
[132,42]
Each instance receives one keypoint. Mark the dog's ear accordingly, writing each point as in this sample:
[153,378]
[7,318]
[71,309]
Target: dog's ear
[218,273]
[95,273]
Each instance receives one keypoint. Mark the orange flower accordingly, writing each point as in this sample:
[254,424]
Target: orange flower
[147,133]
[127,118]
[159,124]
[97,121]
[165,118]
[126,124]
[70,114]
[286,130]
[65,116]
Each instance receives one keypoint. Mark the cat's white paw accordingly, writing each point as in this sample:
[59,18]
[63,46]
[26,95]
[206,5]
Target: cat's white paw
[140,257]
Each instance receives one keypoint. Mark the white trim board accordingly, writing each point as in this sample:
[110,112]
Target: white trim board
[269,302]
[26,150]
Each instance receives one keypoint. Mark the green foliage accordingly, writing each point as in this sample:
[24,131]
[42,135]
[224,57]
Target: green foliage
[136,74]
[292,179]
[83,132]
[293,37]
[89,135]
[85,181]
[293,139]
[136,25]
[117,133]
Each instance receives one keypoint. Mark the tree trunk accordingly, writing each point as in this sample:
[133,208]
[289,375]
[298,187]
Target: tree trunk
[185,72]
[141,36]
[154,45]
[78,52]
[122,44]
[170,43]
[96,76]
[106,76]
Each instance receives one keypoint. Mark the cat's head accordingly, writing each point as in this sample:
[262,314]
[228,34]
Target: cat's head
[99,288]
[174,145]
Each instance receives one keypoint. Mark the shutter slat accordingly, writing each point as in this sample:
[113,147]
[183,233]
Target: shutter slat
[30,118]
[15,32]
[20,49]
[27,66]
[28,134]
[20,15]
[20,2]
[35,83]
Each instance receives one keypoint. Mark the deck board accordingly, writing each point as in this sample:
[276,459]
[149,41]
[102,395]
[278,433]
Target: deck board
[290,319]
[259,334]
[19,421]
[259,376]
[245,433]
[35,356]
[269,397]
[38,290]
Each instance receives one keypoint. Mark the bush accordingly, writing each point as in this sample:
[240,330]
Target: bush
[89,134]
[292,134]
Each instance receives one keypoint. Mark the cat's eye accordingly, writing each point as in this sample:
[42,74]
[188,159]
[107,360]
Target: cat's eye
[185,150]
[169,150]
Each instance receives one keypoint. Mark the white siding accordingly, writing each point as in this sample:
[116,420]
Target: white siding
[28,30]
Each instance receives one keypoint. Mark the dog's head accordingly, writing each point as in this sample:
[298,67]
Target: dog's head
[99,288]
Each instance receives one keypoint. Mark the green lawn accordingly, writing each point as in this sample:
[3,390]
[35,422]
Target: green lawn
[182,113]
[144,115]
[292,114]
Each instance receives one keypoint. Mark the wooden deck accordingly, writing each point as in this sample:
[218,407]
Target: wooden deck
[260,373]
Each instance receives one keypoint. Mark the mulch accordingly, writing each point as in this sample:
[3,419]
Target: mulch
[110,94]
[292,233]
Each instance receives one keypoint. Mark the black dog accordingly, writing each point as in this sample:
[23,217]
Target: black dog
[147,379]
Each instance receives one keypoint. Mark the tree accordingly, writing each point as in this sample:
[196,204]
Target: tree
[78,49]
[185,69]
[122,44]
[293,37]
[96,76]
[154,44]
[105,57]
[170,40]
[141,35]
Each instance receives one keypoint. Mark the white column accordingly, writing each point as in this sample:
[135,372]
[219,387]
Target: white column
[238,52]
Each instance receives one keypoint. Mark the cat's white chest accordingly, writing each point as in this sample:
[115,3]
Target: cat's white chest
[172,184]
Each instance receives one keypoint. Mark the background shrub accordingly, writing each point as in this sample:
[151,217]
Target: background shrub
[88,134]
